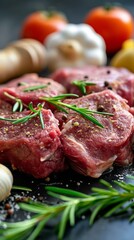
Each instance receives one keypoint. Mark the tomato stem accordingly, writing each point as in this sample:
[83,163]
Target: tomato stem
[108,6]
[48,14]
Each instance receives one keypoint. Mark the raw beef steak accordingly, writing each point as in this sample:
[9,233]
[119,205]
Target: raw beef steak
[119,80]
[28,147]
[90,149]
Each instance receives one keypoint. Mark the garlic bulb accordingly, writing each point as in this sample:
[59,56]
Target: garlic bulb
[74,46]
[6,181]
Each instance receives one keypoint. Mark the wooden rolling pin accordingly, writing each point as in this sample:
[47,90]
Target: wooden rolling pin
[21,57]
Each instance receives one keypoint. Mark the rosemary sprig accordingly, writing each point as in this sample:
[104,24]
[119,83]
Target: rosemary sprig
[81,84]
[86,113]
[18,106]
[34,112]
[106,201]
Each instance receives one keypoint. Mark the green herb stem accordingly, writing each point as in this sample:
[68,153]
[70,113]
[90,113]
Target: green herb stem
[84,112]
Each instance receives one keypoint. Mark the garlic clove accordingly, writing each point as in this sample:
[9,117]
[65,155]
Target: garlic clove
[6,182]
[71,49]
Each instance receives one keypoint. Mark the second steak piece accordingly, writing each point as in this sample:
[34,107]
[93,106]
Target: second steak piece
[120,80]
[90,149]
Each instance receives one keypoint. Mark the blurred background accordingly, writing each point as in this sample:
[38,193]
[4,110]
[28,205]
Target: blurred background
[13,12]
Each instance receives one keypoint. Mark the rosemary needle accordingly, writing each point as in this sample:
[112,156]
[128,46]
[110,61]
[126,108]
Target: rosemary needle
[21,188]
[34,88]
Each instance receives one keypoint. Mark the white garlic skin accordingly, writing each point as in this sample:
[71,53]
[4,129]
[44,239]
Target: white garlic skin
[6,182]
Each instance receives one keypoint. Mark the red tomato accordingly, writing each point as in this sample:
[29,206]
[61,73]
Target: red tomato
[39,25]
[114,24]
